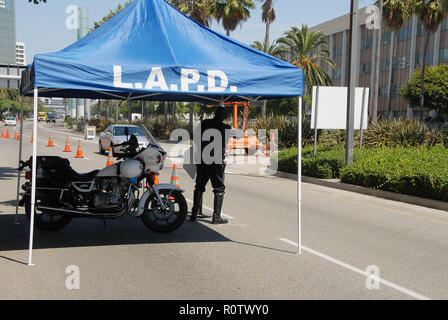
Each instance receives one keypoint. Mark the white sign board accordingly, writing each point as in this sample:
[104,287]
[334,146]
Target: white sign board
[331,105]
[89,133]
[136,117]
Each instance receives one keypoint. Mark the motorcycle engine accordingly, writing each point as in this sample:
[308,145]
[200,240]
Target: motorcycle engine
[110,193]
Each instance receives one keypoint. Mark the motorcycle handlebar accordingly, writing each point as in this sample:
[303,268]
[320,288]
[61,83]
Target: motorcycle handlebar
[23,165]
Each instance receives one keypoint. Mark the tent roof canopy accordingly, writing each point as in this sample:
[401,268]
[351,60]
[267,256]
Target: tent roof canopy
[151,51]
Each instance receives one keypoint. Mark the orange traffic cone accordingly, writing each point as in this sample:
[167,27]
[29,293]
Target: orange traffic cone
[156,179]
[67,146]
[79,153]
[3,133]
[7,134]
[15,135]
[50,142]
[110,158]
[175,177]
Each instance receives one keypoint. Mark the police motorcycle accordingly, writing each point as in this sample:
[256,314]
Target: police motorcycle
[126,187]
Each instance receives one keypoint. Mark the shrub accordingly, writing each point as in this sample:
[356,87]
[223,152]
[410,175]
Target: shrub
[326,165]
[400,133]
[287,129]
[100,123]
[415,170]
[161,129]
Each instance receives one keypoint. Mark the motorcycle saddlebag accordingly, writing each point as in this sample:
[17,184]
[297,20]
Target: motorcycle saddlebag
[52,171]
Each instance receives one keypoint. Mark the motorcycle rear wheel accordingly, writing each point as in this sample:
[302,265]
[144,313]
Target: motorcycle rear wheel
[45,221]
[165,221]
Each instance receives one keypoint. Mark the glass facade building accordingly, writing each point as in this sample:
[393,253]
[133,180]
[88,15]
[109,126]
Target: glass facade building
[7,32]
[409,42]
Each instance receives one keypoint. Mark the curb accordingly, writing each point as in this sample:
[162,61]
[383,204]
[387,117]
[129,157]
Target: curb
[337,184]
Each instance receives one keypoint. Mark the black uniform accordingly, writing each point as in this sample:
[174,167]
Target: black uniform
[215,171]
[211,171]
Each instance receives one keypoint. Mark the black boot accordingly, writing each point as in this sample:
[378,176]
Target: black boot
[197,205]
[217,207]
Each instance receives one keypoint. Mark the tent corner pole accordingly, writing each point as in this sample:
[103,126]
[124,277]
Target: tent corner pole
[16,218]
[33,178]
[299,176]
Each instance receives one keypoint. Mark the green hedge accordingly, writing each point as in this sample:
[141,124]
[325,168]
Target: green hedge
[419,171]
[327,164]
[415,171]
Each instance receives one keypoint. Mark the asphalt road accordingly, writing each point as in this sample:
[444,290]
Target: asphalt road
[346,237]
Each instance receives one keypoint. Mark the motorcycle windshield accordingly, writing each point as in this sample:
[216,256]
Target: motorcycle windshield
[153,141]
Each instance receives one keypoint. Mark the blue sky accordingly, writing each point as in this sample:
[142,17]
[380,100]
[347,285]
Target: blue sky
[42,27]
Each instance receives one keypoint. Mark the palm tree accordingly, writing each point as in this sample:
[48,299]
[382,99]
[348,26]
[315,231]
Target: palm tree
[231,13]
[268,17]
[306,49]
[376,85]
[273,49]
[395,13]
[198,10]
[431,14]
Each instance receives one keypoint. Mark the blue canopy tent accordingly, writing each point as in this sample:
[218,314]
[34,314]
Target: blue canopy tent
[151,51]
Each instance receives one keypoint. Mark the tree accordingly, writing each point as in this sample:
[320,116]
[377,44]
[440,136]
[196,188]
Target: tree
[305,49]
[436,90]
[395,13]
[231,13]
[198,10]
[268,17]
[431,14]
[376,85]
[273,49]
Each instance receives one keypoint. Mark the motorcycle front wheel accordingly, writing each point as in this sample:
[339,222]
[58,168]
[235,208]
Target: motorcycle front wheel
[47,221]
[165,220]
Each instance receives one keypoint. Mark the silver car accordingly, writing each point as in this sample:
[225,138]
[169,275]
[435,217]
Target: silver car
[10,121]
[114,135]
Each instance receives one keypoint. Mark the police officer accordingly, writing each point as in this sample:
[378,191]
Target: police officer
[213,171]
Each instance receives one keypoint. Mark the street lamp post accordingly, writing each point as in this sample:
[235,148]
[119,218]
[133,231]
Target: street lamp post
[353,71]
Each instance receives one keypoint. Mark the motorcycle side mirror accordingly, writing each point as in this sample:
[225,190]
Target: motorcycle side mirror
[126,132]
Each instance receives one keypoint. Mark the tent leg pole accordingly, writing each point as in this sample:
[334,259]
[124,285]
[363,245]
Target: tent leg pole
[299,177]
[16,218]
[33,179]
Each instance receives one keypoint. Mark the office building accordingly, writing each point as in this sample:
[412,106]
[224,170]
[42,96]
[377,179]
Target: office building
[7,32]
[409,55]
[55,105]
[20,54]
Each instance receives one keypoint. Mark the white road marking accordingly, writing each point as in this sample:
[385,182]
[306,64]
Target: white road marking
[359,271]
[210,209]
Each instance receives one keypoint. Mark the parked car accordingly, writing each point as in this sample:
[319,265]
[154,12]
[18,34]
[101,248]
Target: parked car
[114,135]
[10,121]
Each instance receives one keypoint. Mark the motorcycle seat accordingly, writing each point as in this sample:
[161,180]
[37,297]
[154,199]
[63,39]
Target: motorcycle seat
[84,177]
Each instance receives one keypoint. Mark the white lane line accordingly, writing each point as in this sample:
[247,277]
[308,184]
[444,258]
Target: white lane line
[359,271]
[210,209]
